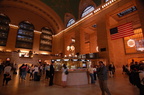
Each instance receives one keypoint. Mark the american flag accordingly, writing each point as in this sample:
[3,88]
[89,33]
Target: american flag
[121,31]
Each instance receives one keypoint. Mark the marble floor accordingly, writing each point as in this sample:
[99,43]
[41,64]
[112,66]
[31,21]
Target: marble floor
[118,85]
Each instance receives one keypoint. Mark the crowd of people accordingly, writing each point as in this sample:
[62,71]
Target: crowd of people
[135,72]
[136,75]
[36,71]
[93,71]
[31,72]
[99,72]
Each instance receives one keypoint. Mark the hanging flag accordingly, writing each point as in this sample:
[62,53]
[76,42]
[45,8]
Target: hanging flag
[122,31]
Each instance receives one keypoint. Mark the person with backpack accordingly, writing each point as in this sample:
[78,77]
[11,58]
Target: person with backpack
[23,71]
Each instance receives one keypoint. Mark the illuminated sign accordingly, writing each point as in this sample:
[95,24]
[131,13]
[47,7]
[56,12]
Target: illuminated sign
[74,59]
[58,59]
[92,56]
[82,59]
[140,45]
[130,10]
[66,59]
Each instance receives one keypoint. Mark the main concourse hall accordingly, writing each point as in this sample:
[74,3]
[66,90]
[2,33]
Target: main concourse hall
[76,33]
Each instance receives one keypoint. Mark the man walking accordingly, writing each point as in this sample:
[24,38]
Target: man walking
[102,76]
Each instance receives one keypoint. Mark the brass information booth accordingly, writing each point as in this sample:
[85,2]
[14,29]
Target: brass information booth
[77,71]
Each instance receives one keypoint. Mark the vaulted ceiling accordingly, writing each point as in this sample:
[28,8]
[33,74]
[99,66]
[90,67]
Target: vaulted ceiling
[42,13]
[66,6]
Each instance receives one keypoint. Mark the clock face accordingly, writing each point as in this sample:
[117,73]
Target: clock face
[131,43]
[68,48]
[72,48]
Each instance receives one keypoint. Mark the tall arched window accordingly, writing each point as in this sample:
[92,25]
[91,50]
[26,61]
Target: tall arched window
[87,10]
[46,39]
[106,0]
[70,22]
[4,29]
[25,35]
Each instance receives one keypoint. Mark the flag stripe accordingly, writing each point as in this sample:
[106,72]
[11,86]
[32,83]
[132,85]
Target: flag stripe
[123,31]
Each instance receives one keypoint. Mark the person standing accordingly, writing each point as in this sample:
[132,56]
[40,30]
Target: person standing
[51,74]
[95,73]
[41,69]
[111,70]
[1,68]
[35,72]
[91,73]
[24,69]
[7,76]
[102,76]
[31,72]
[15,67]
[47,69]
[141,76]
[64,76]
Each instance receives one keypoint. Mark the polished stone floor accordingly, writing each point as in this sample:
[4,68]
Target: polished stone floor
[118,85]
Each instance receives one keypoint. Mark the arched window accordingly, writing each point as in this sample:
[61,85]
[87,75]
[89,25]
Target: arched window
[25,35]
[87,10]
[106,0]
[70,22]
[46,39]
[4,29]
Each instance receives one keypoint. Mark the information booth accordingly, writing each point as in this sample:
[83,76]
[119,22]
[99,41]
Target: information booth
[77,71]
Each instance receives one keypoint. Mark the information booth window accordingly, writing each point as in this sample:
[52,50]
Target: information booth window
[4,29]
[25,35]
[134,43]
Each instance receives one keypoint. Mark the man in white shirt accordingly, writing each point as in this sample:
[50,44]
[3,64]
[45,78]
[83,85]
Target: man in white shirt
[7,69]
[91,73]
